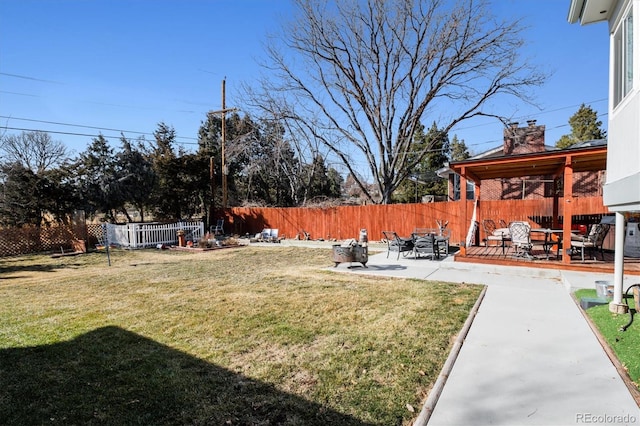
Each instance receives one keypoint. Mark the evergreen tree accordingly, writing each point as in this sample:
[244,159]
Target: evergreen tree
[335,183]
[136,176]
[95,177]
[58,194]
[165,195]
[323,182]
[181,180]
[19,199]
[459,150]
[585,126]
[423,179]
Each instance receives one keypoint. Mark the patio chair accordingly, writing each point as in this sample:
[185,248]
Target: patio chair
[498,235]
[268,235]
[520,233]
[425,244]
[397,243]
[218,228]
[264,235]
[273,238]
[592,242]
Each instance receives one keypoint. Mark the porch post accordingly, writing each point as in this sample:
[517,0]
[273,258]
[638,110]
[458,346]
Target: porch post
[477,208]
[616,304]
[479,216]
[567,210]
[465,216]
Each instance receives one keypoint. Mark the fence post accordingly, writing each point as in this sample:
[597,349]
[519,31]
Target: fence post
[133,235]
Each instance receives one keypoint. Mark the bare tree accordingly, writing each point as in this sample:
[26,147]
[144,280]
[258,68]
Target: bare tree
[360,76]
[36,151]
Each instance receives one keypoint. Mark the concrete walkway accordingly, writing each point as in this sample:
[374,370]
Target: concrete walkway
[529,358]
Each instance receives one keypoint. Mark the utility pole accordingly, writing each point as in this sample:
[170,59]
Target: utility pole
[225,170]
[212,183]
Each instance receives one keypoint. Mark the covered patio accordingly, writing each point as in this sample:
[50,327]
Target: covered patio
[560,167]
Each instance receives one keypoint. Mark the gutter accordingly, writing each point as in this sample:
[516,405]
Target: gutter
[575,10]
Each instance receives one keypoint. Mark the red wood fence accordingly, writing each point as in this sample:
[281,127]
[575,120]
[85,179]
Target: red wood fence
[345,222]
[339,223]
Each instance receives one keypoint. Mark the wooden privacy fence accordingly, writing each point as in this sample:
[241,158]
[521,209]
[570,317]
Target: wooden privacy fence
[345,222]
[339,223]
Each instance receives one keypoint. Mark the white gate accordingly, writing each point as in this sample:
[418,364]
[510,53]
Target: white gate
[143,235]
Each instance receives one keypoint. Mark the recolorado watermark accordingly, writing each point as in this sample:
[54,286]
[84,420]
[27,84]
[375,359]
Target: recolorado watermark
[590,418]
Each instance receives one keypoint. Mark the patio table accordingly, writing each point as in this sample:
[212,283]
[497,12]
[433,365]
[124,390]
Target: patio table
[441,241]
[549,242]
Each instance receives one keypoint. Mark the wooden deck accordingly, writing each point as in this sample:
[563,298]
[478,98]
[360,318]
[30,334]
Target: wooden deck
[493,255]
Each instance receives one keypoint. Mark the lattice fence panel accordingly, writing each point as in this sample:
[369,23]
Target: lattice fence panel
[94,234]
[14,241]
[24,240]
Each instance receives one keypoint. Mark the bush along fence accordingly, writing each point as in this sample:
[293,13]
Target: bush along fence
[57,238]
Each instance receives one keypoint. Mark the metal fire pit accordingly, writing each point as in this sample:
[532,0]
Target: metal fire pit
[351,253]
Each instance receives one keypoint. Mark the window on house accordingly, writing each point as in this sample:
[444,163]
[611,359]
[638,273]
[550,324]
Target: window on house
[471,191]
[456,188]
[623,57]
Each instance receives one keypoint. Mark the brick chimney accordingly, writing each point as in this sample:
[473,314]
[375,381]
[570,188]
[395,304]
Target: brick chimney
[523,140]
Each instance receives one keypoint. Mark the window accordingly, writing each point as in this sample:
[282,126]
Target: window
[623,59]
[471,188]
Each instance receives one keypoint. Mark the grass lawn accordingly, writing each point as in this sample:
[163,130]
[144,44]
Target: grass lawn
[241,336]
[624,344]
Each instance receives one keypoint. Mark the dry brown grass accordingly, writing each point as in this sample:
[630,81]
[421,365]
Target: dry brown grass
[333,348]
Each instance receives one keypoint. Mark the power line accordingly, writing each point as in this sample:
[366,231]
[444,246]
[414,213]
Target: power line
[86,127]
[26,77]
[196,139]
[522,117]
[20,94]
[80,134]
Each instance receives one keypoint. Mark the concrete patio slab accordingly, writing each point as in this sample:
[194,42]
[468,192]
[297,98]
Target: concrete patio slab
[530,357]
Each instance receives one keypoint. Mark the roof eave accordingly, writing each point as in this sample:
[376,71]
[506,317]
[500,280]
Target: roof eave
[590,11]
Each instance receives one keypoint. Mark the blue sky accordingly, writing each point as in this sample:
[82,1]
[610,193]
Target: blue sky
[125,65]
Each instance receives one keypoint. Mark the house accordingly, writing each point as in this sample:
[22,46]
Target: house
[522,144]
[621,191]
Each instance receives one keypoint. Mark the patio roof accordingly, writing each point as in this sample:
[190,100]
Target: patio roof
[592,157]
